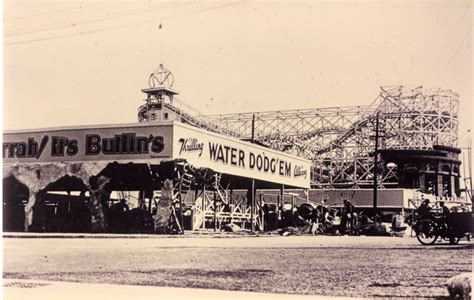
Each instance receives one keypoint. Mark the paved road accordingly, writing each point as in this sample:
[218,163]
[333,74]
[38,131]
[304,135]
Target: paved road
[22,289]
[314,265]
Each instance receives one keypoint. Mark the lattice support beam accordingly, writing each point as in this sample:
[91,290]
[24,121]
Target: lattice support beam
[340,140]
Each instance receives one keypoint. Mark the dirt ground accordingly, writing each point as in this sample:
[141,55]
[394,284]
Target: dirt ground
[318,265]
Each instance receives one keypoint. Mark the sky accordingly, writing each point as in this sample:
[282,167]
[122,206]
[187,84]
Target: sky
[79,63]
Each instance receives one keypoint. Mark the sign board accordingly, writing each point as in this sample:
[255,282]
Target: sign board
[105,143]
[152,143]
[231,156]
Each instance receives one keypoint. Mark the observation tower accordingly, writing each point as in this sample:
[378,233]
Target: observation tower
[159,93]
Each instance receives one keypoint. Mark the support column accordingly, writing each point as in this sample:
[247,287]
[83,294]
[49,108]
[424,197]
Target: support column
[457,188]
[422,181]
[180,199]
[141,199]
[29,210]
[99,196]
[439,185]
[149,194]
[261,213]
[438,181]
[204,207]
[215,211]
[35,212]
[39,212]
[280,201]
[252,206]
[164,208]
[293,204]
[452,184]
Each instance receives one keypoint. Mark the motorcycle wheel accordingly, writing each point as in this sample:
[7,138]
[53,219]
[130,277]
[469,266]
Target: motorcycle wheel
[426,232]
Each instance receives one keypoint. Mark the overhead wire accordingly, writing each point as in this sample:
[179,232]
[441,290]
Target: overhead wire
[68,24]
[88,32]
[50,13]
[53,20]
[47,20]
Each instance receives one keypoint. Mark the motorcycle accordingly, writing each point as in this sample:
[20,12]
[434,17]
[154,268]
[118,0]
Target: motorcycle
[452,229]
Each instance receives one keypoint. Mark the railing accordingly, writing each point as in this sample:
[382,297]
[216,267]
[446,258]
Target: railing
[237,213]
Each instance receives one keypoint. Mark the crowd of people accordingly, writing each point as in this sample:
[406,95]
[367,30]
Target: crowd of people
[314,218]
[324,219]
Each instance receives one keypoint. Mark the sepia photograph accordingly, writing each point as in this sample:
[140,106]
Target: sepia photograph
[167,149]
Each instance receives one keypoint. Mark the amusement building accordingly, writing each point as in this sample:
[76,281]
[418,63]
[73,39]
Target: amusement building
[202,172]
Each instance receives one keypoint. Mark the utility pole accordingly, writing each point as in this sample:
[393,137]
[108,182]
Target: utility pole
[469,165]
[376,153]
[253,128]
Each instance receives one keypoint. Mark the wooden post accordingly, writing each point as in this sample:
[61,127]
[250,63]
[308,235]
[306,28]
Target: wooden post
[150,195]
[281,199]
[278,204]
[215,212]
[232,205]
[262,214]
[194,208]
[293,203]
[204,208]
[141,199]
[181,219]
[252,206]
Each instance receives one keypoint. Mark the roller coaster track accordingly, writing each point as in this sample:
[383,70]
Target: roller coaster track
[344,134]
[200,122]
[340,140]
[337,143]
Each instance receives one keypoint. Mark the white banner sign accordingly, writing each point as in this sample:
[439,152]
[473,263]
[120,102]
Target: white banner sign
[232,156]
